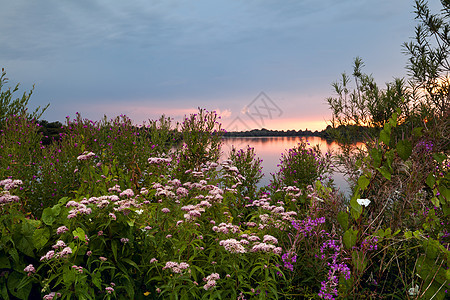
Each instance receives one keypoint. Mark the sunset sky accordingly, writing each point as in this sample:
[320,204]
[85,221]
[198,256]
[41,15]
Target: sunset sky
[259,64]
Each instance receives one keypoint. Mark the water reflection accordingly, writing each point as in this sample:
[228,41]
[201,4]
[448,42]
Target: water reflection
[269,149]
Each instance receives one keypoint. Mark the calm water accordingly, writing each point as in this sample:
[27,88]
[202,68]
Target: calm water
[269,149]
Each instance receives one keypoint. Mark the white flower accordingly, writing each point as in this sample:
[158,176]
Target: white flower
[414,291]
[363,202]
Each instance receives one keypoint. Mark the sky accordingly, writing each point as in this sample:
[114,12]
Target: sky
[257,63]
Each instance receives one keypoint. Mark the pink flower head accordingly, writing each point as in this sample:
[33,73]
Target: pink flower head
[29,269]
[61,230]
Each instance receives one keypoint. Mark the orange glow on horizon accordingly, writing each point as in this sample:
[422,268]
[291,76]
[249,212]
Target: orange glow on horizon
[282,124]
[140,113]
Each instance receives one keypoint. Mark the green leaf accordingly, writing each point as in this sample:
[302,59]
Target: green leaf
[68,276]
[445,193]
[430,181]
[4,262]
[114,249]
[404,149]
[350,237]
[417,132]
[363,182]
[380,233]
[408,234]
[17,287]
[376,155]
[41,237]
[130,262]
[385,172]
[80,234]
[342,217]
[439,157]
[356,208]
[446,209]
[24,238]
[431,248]
[435,201]
[97,279]
[50,213]
[385,136]
[4,290]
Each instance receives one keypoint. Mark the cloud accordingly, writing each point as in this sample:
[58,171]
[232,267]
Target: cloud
[224,114]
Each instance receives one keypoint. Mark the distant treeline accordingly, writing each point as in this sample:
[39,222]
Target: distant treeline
[348,133]
[52,131]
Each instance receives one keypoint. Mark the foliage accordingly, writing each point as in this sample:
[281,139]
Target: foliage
[201,136]
[301,166]
[110,210]
[428,58]
[15,107]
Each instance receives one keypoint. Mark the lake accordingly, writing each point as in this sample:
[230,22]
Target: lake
[269,149]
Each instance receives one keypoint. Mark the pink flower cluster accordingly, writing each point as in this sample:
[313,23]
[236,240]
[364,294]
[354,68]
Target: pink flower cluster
[80,208]
[233,246]
[9,184]
[270,239]
[52,254]
[6,197]
[30,270]
[226,228]
[176,267]
[115,188]
[78,268]
[127,193]
[211,281]
[86,155]
[195,211]
[59,244]
[264,247]
[51,295]
[61,230]
[159,160]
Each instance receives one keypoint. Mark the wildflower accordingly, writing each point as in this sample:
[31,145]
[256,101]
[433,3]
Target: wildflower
[103,258]
[270,239]
[49,255]
[65,252]
[49,296]
[61,230]
[233,246]
[128,193]
[175,267]
[86,155]
[59,244]
[211,281]
[124,240]
[30,270]
[363,202]
[153,260]
[165,210]
[78,268]
[109,290]
[414,291]
[115,188]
